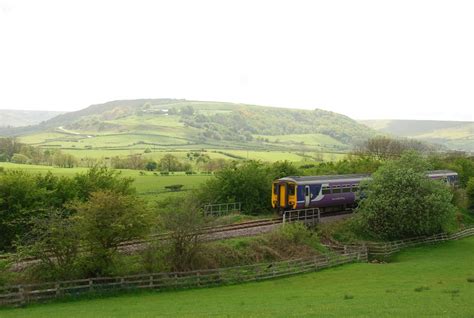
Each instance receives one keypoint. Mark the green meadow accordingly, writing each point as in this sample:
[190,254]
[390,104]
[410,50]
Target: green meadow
[429,281]
[148,185]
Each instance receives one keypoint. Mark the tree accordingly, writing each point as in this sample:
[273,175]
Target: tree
[101,178]
[151,166]
[401,202]
[187,110]
[19,158]
[384,148]
[248,182]
[64,160]
[169,163]
[107,219]
[184,220]
[54,241]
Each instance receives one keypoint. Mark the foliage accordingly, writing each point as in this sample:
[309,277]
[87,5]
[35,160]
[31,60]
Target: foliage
[470,192]
[401,202]
[19,158]
[351,164]
[54,241]
[184,220]
[107,219]
[64,160]
[459,162]
[151,166]
[384,148]
[172,163]
[102,178]
[247,182]
[25,197]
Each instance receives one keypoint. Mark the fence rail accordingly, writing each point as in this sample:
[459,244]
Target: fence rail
[313,215]
[220,209]
[387,249]
[30,293]
[26,294]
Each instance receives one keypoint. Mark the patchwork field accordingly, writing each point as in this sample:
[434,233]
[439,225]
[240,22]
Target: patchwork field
[430,281]
[238,131]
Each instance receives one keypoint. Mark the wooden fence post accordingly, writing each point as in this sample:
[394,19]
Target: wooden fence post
[21,291]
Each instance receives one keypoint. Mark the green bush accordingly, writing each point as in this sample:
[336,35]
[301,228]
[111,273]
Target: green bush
[105,221]
[248,182]
[401,202]
[470,192]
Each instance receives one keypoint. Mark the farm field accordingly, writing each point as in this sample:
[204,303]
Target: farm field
[147,185]
[429,281]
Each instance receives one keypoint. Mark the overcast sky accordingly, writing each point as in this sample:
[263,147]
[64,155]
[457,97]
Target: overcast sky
[366,59]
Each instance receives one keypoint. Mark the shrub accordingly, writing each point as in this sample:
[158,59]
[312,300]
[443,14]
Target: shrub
[107,220]
[401,202]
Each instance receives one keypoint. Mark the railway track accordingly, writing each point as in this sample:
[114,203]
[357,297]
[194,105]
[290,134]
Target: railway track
[221,231]
[228,228]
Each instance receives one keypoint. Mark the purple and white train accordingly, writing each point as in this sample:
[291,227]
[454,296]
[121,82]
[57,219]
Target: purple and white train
[334,192]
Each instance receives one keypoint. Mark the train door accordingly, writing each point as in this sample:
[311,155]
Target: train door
[307,196]
[283,195]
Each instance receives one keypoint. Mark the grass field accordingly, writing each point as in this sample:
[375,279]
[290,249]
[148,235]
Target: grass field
[430,281]
[147,185]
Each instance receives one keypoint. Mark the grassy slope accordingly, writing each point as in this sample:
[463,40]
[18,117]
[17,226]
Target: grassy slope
[378,290]
[116,127]
[454,134]
[17,118]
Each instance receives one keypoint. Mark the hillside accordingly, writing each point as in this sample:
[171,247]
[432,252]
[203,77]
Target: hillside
[130,125]
[19,118]
[456,135]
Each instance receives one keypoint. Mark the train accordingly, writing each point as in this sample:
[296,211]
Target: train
[332,192]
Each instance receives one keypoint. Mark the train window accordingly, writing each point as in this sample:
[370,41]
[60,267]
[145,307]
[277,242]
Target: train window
[307,191]
[346,189]
[291,189]
[336,190]
[355,188]
[275,188]
[326,190]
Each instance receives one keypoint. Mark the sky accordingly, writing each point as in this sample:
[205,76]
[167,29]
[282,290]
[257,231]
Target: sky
[365,59]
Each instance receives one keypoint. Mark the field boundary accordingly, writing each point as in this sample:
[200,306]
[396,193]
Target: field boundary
[387,249]
[21,295]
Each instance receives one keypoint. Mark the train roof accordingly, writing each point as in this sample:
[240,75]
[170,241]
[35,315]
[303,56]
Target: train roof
[326,179]
[442,172]
[349,177]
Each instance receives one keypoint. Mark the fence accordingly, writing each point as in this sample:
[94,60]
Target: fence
[222,208]
[303,215]
[387,249]
[25,294]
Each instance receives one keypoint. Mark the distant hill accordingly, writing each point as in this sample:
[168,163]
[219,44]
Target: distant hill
[19,118]
[175,123]
[456,135]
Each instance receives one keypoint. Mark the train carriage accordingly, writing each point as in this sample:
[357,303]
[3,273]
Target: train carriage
[329,192]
